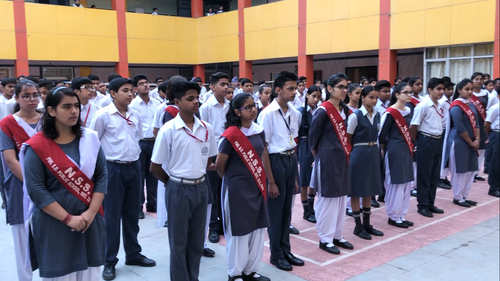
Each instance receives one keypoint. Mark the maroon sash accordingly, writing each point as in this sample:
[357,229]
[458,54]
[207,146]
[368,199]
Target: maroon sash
[248,155]
[172,110]
[479,106]
[466,109]
[66,172]
[414,101]
[339,126]
[12,129]
[402,126]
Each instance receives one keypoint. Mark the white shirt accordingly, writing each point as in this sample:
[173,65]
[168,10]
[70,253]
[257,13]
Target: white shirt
[102,100]
[158,117]
[6,106]
[381,107]
[205,95]
[300,99]
[492,116]
[88,113]
[428,117]
[279,137]
[492,99]
[119,140]
[445,104]
[352,120]
[214,113]
[146,112]
[181,155]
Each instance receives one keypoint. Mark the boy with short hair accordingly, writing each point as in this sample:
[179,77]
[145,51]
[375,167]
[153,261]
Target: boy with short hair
[427,128]
[445,103]
[82,86]
[182,148]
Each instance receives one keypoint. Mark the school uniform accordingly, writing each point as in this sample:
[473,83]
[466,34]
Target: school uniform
[411,105]
[330,177]
[445,104]
[281,128]
[483,98]
[214,113]
[145,112]
[428,117]
[299,100]
[102,100]
[381,106]
[15,205]
[63,254]
[494,149]
[365,155]
[119,135]
[463,159]
[6,108]
[88,113]
[398,171]
[305,156]
[244,206]
[183,154]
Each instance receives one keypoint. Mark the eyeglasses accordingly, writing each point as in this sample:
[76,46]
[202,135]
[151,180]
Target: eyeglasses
[30,97]
[249,107]
[90,88]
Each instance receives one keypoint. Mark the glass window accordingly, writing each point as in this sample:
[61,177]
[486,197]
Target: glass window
[459,69]
[483,50]
[483,65]
[436,69]
[460,51]
[435,53]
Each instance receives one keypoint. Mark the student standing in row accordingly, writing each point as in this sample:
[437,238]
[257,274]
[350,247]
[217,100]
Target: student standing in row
[445,103]
[144,107]
[15,129]
[243,162]
[353,102]
[214,111]
[426,127]
[119,129]
[183,147]
[398,149]
[492,126]
[82,86]
[305,156]
[67,222]
[463,143]
[479,99]
[281,126]
[330,177]
[362,131]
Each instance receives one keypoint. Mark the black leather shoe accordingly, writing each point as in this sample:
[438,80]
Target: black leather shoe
[470,202]
[478,178]
[408,223]
[397,224]
[345,244]
[360,231]
[371,230]
[109,272]
[141,261]
[293,260]
[413,192]
[443,184]
[332,249]
[310,218]
[254,276]
[461,204]
[293,230]
[141,215]
[213,236]
[374,203]
[381,199]
[208,253]
[494,193]
[436,210]
[425,212]
[282,264]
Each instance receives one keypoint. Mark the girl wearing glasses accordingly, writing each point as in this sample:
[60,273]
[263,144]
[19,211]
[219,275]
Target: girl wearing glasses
[16,129]
[397,145]
[244,199]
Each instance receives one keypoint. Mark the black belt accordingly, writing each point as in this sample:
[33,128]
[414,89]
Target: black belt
[148,139]
[122,162]
[284,153]
[430,136]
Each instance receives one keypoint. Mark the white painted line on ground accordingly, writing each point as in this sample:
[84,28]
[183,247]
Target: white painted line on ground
[404,234]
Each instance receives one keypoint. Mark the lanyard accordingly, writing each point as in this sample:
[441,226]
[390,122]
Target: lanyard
[87,116]
[437,111]
[286,123]
[129,122]
[195,137]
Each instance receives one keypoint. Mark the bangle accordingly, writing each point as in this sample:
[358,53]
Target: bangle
[67,219]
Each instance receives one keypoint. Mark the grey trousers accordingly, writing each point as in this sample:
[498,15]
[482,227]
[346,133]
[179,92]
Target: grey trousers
[186,213]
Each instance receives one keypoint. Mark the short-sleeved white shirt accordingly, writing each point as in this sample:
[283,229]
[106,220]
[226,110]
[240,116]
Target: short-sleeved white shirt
[352,120]
[428,117]
[88,113]
[214,113]
[180,154]
[279,137]
[146,112]
[158,118]
[493,117]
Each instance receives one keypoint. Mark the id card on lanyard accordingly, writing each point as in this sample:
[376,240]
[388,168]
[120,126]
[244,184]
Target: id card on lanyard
[291,140]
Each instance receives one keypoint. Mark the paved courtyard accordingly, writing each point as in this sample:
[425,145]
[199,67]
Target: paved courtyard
[462,244]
